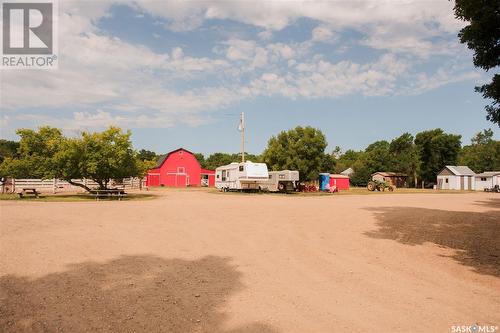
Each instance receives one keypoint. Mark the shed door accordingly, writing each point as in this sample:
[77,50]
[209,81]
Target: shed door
[462,182]
[470,183]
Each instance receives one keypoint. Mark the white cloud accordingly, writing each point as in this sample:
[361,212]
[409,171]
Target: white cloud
[132,86]
[265,35]
[413,20]
[322,34]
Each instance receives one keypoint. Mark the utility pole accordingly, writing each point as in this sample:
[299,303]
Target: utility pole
[242,129]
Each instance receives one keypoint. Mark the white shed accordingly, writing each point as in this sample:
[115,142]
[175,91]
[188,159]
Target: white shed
[454,177]
[347,172]
[487,179]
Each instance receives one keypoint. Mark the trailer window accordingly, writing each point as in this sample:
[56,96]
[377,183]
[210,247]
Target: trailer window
[270,176]
[282,176]
[223,175]
[242,168]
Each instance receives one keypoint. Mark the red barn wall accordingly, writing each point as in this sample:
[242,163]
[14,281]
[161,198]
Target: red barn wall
[180,169]
[211,176]
[153,177]
[341,183]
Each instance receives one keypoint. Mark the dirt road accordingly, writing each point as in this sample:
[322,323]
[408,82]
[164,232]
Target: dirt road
[192,261]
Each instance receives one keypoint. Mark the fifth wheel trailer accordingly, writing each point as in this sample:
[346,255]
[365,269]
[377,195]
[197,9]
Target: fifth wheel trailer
[241,176]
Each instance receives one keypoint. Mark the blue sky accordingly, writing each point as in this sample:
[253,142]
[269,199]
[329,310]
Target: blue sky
[179,73]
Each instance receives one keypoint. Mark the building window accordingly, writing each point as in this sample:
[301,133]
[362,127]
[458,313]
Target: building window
[181,170]
[242,168]
[483,179]
[446,180]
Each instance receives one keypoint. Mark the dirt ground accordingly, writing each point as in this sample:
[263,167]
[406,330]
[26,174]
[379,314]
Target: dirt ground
[196,261]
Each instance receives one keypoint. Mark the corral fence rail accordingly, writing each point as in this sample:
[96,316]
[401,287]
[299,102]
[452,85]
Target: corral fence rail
[11,185]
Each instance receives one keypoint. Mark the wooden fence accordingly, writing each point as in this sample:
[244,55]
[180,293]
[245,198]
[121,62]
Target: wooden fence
[57,185]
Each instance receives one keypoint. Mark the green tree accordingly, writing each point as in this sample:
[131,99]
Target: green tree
[405,156]
[483,154]
[436,149]
[201,159]
[347,160]
[328,163]
[483,36]
[376,157]
[100,156]
[35,152]
[46,153]
[301,148]
[216,160]
[8,149]
[146,155]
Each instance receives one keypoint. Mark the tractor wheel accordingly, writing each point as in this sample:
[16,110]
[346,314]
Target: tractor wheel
[371,186]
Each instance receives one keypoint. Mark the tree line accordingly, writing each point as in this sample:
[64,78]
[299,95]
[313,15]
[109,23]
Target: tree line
[102,156]
[420,157]
[46,153]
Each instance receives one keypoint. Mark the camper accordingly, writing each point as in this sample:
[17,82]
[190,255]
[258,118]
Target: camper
[281,181]
[241,176]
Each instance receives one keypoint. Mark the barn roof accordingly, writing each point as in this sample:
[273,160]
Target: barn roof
[338,175]
[390,174]
[164,157]
[488,174]
[459,170]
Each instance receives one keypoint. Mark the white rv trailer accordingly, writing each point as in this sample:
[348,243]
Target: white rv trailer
[281,181]
[241,176]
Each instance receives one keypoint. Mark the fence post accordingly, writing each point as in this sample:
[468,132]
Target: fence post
[54,186]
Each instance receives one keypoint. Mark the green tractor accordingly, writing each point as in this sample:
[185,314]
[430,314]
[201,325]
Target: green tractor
[379,186]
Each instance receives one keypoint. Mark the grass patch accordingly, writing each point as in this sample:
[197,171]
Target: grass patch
[351,191]
[74,197]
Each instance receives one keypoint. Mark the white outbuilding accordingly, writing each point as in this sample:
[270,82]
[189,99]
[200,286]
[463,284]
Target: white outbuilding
[487,180]
[348,172]
[454,177]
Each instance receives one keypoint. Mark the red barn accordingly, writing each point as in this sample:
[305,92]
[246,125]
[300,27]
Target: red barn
[340,181]
[179,168]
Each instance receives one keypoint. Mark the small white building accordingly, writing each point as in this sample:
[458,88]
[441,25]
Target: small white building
[454,177]
[487,180]
[348,172]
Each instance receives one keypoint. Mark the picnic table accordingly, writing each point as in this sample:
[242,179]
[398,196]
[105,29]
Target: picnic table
[28,190]
[109,193]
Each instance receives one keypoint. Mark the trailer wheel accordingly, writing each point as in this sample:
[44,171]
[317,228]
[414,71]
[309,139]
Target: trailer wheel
[281,187]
